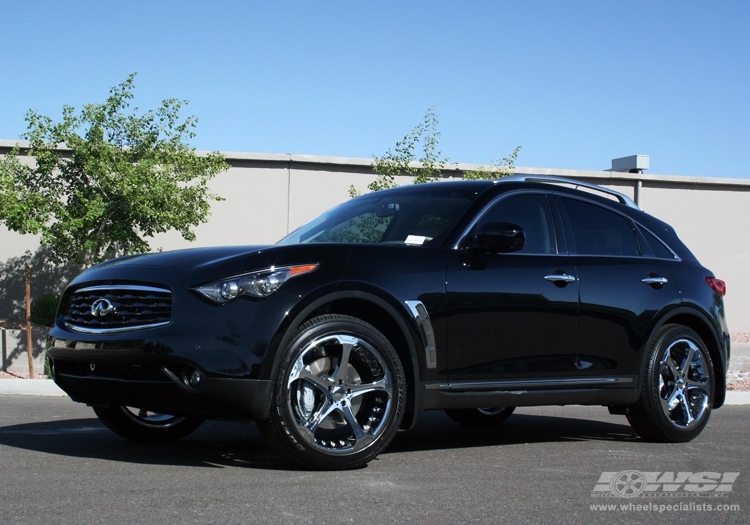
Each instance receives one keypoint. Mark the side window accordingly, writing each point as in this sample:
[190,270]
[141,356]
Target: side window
[530,212]
[660,250]
[598,231]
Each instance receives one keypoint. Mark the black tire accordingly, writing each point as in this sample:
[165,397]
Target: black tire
[488,417]
[677,387]
[339,395]
[144,426]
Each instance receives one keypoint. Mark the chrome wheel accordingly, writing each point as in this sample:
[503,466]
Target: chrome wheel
[492,411]
[677,387]
[339,395]
[485,417]
[151,419]
[684,383]
[144,425]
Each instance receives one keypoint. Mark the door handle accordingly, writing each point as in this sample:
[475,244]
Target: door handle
[560,278]
[655,280]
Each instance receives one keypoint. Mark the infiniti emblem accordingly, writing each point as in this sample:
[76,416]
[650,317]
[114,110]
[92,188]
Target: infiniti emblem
[102,308]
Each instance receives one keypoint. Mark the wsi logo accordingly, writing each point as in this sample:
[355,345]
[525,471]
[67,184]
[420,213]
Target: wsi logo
[632,483]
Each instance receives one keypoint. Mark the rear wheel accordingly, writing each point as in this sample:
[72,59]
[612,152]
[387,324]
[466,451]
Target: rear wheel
[339,395]
[487,417]
[677,390]
[142,425]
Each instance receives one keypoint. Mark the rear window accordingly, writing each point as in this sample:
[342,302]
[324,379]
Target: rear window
[659,248]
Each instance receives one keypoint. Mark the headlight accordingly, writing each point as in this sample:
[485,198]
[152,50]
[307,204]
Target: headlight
[261,283]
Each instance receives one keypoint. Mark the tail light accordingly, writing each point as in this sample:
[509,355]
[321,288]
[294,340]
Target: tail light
[717,285]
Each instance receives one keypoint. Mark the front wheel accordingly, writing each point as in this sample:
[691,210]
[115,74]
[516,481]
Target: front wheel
[145,426]
[677,390]
[339,395]
[488,417]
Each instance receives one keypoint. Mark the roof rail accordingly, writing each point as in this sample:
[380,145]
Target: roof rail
[622,198]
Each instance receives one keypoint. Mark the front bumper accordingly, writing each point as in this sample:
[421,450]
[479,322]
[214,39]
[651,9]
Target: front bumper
[160,387]
[151,368]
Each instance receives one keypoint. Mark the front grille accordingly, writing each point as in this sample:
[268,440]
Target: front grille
[118,308]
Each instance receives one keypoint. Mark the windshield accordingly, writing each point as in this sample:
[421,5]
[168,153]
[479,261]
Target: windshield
[417,217]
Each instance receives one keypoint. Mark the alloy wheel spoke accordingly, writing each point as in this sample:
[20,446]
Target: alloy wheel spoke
[359,432]
[363,438]
[685,368]
[672,367]
[347,343]
[314,422]
[321,383]
[686,408]
[692,384]
[377,386]
[673,396]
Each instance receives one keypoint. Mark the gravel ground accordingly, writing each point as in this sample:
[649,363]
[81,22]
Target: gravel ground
[739,380]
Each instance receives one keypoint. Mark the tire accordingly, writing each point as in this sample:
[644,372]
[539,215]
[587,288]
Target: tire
[339,395]
[488,417]
[677,390]
[144,426]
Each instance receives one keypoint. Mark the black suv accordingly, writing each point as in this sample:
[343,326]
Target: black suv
[473,297]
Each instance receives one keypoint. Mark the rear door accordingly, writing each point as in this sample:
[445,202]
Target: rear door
[622,287]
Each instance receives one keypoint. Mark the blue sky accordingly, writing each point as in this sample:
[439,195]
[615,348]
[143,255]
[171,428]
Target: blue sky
[575,83]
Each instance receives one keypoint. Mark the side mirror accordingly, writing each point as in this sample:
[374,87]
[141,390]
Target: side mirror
[500,237]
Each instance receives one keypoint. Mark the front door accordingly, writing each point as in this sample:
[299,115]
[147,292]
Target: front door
[512,316]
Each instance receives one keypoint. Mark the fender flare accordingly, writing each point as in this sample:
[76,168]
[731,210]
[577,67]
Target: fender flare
[302,312]
[720,392]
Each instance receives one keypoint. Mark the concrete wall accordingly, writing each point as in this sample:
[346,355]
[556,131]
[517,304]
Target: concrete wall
[14,356]
[269,195]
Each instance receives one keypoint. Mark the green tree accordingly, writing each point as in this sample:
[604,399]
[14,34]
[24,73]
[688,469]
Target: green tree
[401,161]
[103,180]
[499,169]
[44,308]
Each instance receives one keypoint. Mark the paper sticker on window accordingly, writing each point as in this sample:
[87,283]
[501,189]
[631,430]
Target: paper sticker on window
[416,240]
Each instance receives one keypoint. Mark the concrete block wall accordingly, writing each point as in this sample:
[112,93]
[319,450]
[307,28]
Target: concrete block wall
[270,195]
[14,355]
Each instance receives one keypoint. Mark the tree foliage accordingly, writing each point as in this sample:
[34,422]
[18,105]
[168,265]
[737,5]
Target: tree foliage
[44,308]
[103,180]
[402,159]
[499,168]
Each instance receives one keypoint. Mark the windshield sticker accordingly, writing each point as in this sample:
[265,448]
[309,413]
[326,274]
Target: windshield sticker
[416,240]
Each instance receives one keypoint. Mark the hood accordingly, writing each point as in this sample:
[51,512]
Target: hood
[193,263]
[189,259]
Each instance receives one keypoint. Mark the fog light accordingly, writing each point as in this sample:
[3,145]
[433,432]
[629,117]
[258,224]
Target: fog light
[192,378]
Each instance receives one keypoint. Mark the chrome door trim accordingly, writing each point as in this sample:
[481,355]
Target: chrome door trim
[655,280]
[490,386]
[560,278]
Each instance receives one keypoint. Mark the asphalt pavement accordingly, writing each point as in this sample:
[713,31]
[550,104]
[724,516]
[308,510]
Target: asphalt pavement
[558,465]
